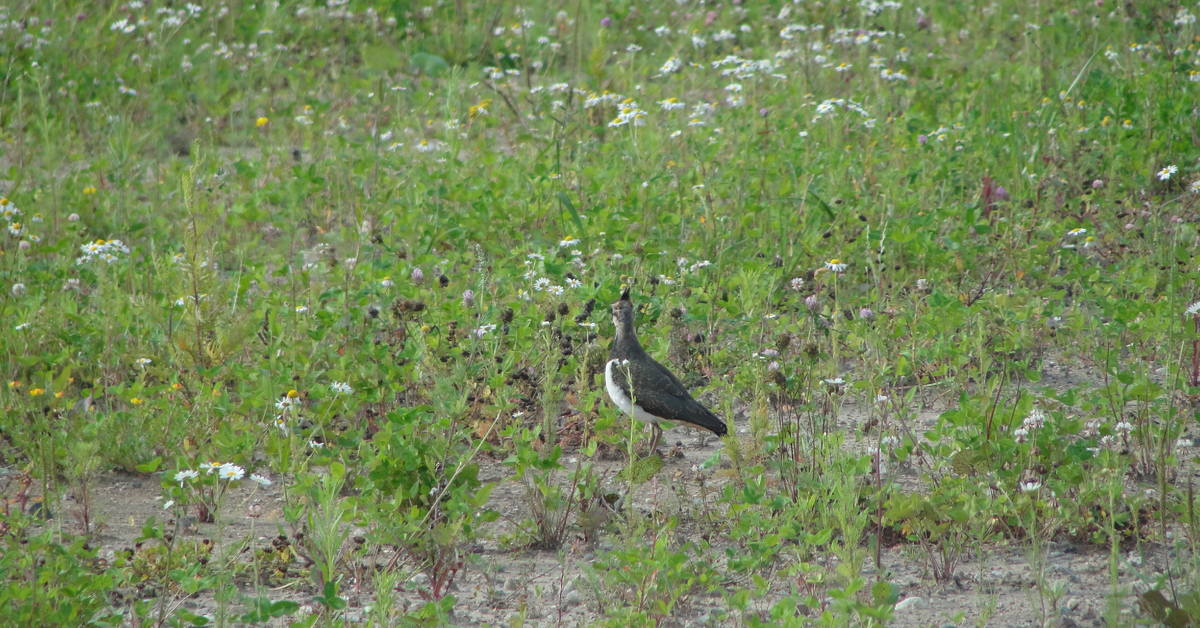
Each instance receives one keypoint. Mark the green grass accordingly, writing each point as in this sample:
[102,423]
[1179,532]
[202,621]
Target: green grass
[350,248]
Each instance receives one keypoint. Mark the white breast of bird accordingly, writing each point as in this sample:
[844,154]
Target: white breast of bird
[622,400]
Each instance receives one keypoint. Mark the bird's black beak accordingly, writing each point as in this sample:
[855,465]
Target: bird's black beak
[625,295]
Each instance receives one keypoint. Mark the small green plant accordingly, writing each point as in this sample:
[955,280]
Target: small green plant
[51,579]
[646,583]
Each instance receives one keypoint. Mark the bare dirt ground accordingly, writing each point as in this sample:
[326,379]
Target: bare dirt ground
[500,585]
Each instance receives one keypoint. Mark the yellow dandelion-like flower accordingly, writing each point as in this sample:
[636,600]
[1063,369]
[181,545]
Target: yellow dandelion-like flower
[262,121]
[135,401]
[89,190]
[36,392]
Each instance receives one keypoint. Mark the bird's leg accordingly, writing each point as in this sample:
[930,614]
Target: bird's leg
[654,439]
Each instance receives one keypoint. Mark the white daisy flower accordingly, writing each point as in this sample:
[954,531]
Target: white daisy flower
[185,475]
[231,472]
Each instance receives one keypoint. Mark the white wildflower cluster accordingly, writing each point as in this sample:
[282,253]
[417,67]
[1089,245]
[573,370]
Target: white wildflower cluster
[942,133]
[1183,18]
[1035,420]
[9,211]
[595,100]
[741,69]
[426,146]
[875,8]
[831,105]
[224,471]
[101,249]
[685,268]
[724,35]
[123,25]
[671,104]
[286,403]
[857,37]
[342,388]
[672,65]
[789,32]
[629,113]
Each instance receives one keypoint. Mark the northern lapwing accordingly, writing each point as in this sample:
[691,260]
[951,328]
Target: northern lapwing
[656,395]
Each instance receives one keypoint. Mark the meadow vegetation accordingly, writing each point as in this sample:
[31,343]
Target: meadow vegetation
[357,255]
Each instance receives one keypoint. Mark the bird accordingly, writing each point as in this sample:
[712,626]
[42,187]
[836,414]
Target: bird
[656,395]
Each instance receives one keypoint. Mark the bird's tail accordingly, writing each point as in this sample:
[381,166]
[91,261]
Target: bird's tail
[709,421]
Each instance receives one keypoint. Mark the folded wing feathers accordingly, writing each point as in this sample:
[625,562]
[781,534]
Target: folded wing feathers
[660,393]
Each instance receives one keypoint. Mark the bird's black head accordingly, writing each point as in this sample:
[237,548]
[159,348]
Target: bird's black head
[622,313]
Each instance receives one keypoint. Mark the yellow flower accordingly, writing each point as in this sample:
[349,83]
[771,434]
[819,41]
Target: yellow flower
[481,109]
[89,190]
[262,121]
[135,401]
[36,392]
[176,386]
[292,394]
[59,394]
[14,384]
